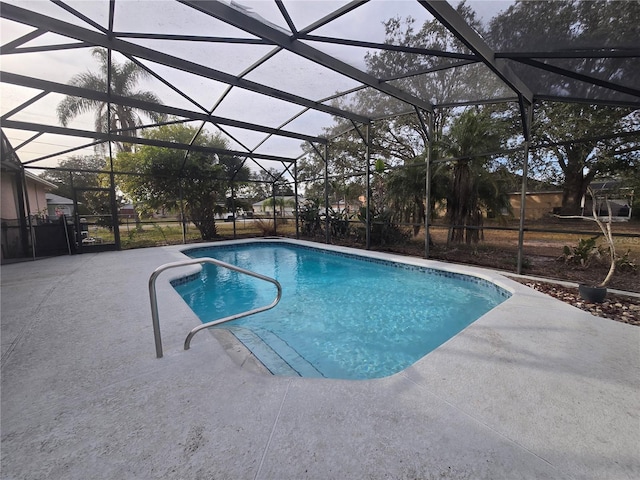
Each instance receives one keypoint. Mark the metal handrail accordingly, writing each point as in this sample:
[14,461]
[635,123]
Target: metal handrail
[154,300]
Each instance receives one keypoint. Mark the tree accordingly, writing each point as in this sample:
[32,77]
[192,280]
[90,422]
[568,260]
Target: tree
[162,176]
[572,133]
[77,173]
[472,187]
[239,177]
[570,26]
[441,85]
[406,190]
[346,168]
[264,182]
[124,78]
[580,161]
[396,140]
[400,141]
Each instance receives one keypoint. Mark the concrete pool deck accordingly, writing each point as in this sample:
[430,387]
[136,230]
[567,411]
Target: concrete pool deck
[534,389]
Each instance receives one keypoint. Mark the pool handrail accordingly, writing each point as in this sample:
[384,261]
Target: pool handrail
[195,261]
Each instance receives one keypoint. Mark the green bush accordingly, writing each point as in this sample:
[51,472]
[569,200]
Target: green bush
[626,264]
[383,230]
[583,253]
[309,216]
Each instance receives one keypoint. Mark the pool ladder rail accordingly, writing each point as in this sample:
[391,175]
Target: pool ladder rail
[154,299]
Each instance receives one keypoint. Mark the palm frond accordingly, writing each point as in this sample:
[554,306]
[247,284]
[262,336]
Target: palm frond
[71,107]
[124,78]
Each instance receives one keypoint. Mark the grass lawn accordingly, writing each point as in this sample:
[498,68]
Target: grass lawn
[170,233]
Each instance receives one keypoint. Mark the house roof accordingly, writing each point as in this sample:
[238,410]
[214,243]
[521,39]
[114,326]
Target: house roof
[57,199]
[537,192]
[37,179]
[289,198]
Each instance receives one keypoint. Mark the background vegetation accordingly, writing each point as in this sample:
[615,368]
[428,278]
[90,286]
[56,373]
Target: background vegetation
[476,154]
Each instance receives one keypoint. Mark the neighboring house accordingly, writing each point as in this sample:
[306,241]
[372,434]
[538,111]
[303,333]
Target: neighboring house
[127,211]
[620,200]
[22,203]
[537,204]
[27,229]
[350,208]
[285,206]
[12,188]
[57,206]
[541,204]
[620,208]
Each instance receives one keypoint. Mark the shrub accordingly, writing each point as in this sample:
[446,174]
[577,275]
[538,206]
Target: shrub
[309,216]
[339,221]
[583,253]
[383,230]
[265,226]
[626,263]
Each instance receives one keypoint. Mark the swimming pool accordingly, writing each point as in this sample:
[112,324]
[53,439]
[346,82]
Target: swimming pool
[341,315]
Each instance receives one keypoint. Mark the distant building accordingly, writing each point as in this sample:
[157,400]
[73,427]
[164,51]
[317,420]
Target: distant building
[127,211]
[285,206]
[22,203]
[12,189]
[541,204]
[58,206]
[537,204]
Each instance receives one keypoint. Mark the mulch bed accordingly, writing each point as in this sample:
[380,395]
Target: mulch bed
[621,308]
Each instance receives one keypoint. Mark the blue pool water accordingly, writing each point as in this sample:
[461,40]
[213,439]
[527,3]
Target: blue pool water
[340,316]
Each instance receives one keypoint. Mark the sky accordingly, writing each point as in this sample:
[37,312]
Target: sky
[161,16]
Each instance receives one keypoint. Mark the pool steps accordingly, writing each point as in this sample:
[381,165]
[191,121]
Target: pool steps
[274,353]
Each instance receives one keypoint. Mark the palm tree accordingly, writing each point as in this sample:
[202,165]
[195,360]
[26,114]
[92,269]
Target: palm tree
[280,203]
[407,190]
[124,78]
[472,185]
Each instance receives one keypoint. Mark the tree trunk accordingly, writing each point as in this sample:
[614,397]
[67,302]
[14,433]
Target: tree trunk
[419,215]
[475,219]
[136,217]
[460,202]
[571,201]
[573,191]
[205,221]
[208,230]
[575,181]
